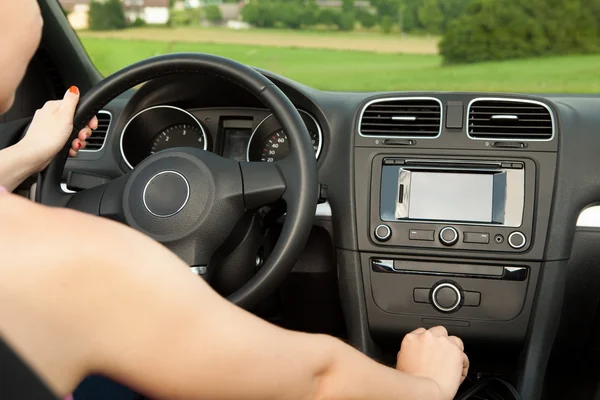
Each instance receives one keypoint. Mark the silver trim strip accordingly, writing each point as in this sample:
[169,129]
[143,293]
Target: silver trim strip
[187,197]
[152,108]
[589,217]
[402,118]
[323,210]
[105,137]
[380,100]
[505,117]
[539,103]
[65,189]
[319,132]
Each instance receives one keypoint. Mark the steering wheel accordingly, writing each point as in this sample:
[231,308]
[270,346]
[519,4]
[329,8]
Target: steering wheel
[190,199]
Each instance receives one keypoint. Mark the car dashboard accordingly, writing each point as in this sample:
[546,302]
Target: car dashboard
[457,209]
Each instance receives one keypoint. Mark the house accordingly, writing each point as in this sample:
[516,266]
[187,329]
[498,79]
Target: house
[149,11]
[77,12]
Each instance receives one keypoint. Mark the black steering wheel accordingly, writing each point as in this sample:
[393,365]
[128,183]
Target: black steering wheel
[190,199]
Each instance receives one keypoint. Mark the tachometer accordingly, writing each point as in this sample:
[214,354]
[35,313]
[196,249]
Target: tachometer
[269,142]
[180,135]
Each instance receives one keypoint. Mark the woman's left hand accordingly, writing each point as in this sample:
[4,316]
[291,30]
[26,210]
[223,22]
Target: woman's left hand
[51,127]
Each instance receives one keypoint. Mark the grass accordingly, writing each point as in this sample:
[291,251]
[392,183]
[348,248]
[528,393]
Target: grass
[348,70]
[371,41]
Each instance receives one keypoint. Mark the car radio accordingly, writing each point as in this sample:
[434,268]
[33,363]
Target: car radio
[463,204]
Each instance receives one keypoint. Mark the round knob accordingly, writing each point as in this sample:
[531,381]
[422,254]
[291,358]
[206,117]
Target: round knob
[516,240]
[448,236]
[383,233]
[446,297]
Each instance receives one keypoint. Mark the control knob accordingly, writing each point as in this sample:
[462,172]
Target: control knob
[446,297]
[448,236]
[383,233]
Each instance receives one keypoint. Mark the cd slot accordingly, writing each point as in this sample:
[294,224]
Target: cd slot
[452,163]
[512,273]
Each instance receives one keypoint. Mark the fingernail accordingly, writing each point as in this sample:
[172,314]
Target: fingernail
[78,145]
[74,90]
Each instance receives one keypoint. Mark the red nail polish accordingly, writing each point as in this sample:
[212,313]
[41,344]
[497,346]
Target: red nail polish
[78,145]
[74,90]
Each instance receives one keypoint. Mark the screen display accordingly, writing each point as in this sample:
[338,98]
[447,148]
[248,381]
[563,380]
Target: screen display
[451,196]
[235,143]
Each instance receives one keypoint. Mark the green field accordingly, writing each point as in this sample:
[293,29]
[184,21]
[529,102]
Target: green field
[348,70]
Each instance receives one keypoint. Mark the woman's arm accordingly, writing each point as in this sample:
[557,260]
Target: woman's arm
[49,130]
[82,295]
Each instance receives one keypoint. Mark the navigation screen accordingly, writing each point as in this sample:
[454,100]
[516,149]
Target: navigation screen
[451,197]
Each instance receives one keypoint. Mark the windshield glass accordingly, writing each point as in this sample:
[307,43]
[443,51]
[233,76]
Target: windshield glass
[535,46]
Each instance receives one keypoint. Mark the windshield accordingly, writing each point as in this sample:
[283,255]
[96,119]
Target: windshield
[534,46]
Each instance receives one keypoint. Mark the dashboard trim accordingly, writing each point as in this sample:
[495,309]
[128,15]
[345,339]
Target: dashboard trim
[204,137]
[380,100]
[105,136]
[539,103]
[319,132]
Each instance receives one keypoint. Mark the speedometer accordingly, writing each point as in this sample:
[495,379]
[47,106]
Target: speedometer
[269,142]
[276,146]
[180,135]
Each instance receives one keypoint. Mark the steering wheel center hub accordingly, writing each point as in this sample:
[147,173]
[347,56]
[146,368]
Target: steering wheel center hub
[166,193]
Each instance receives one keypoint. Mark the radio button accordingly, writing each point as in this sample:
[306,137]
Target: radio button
[516,240]
[415,234]
[448,236]
[476,237]
[446,297]
[421,295]
[383,233]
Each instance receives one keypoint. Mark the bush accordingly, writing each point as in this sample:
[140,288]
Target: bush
[259,13]
[138,23]
[386,24]
[346,21]
[213,14]
[366,19]
[289,14]
[329,17]
[107,15]
[508,29]
[185,17]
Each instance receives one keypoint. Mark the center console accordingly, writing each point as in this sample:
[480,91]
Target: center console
[452,200]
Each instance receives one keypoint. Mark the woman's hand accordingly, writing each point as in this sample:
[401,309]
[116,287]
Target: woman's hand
[434,355]
[51,127]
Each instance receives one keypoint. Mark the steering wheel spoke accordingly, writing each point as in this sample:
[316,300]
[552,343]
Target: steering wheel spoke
[263,183]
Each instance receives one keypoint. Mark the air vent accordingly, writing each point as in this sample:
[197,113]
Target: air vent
[412,117]
[98,138]
[509,119]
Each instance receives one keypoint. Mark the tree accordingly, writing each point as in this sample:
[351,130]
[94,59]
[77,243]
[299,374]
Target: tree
[346,21]
[499,30]
[366,19]
[431,16]
[107,15]
[213,14]
[386,8]
[348,6]
[386,24]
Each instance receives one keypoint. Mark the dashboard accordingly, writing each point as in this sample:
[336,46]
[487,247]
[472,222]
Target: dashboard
[445,208]
[242,134]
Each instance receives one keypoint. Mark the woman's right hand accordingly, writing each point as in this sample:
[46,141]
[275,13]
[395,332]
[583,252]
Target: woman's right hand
[434,355]
[50,129]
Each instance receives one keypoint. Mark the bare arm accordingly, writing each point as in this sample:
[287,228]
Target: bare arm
[16,165]
[126,307]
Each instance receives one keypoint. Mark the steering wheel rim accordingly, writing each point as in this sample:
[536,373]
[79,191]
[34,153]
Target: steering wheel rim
[298,169]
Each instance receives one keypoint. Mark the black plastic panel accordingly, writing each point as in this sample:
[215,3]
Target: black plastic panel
[539,169]
[502,315]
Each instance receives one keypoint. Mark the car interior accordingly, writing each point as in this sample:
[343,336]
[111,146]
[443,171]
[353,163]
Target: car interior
[359,215]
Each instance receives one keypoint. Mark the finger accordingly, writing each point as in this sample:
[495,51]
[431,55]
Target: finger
[466,365]
[52,105]
[84,134]
[418,331]
[69,103]
[83,145]
[72,153]
[93,124]
[438,331]
[458,342]
[76,144]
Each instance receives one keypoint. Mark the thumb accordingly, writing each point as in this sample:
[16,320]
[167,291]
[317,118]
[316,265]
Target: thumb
[69,103]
